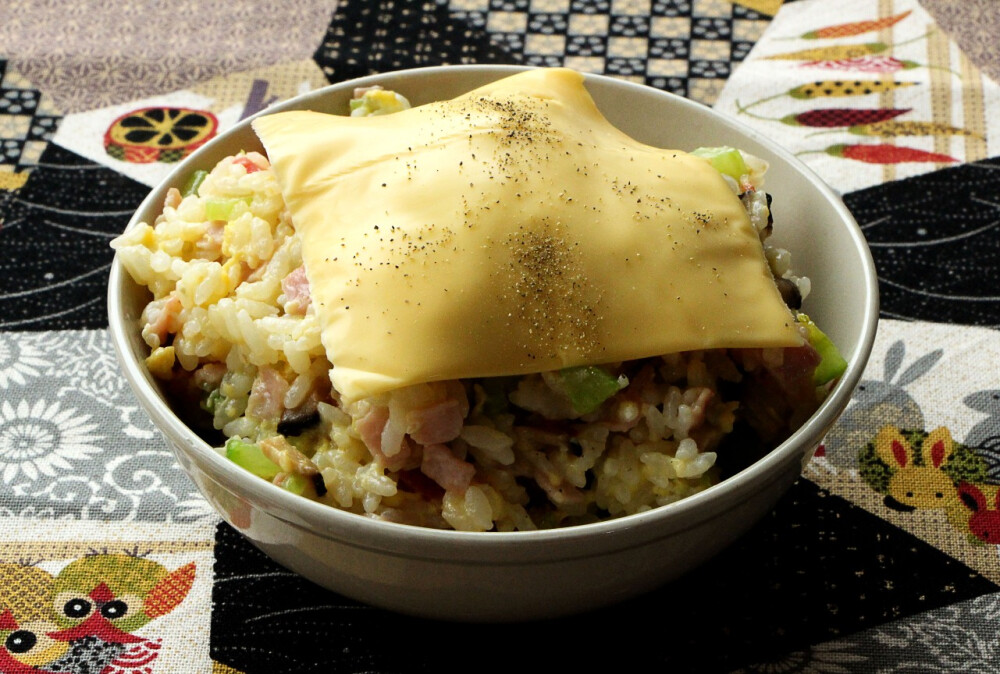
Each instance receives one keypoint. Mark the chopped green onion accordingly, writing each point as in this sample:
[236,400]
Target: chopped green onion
[294,483]
[378,102]
[212,401]
[194,181]
[831,364]
[223,209]
[587,387]
[252,458]
[725,160]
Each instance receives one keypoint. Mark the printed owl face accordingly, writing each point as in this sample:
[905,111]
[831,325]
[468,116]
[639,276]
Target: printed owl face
[112,595]
[106,592]
[25,621]
[82,619]
[29,644]
[111,616]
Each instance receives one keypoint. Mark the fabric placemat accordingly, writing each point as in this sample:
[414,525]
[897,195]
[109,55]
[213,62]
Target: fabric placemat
[838,578]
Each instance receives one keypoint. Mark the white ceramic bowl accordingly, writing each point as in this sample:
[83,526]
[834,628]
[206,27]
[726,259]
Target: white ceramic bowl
[524,575]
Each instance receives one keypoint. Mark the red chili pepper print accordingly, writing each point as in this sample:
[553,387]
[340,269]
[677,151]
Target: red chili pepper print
[837,117]
[855,27]
[887,154]
[875,63]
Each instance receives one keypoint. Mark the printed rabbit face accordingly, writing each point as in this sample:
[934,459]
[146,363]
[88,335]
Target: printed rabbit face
[987,402]
[894,382]
[986,433]
[918,481]
[985,521]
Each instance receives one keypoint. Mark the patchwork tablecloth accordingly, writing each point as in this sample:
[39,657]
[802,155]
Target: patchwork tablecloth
[860,568]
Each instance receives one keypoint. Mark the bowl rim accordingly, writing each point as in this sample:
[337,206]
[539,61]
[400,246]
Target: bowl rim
[342,526]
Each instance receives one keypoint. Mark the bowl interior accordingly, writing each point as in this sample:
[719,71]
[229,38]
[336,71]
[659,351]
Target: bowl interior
[810,220]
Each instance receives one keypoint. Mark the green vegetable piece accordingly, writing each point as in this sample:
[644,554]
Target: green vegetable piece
[497,389]
[194,181]
[378,102]
[249,456]
[587,387]
[295,484]
[212,401]
[831,364]
[224,209]
[725,160]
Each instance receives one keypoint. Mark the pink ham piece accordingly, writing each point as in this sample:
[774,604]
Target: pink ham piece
[700,406]
[164,321]
[435,424]
[267,395]
[208,377]
[296,289]
[370,427]
[446,469]
[209,246]
[173,198]
[214,234]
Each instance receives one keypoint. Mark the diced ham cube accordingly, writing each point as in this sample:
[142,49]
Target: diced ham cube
[370,427]
[435,424]
[209,376]
[163,320]
[296,289]
[446,469]
[267,395]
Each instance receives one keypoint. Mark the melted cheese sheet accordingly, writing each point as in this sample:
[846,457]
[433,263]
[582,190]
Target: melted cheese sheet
[513,230]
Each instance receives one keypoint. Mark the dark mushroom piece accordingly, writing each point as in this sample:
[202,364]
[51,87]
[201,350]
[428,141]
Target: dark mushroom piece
[789,293]
[299,420]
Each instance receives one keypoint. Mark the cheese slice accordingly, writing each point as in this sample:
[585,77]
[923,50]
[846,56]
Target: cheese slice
[513,230]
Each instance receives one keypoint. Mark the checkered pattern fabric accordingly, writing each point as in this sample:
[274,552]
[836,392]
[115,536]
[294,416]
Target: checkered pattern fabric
[687,47]
[25,123]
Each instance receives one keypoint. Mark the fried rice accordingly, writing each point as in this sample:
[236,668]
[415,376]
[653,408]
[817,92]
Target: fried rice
[235,340]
